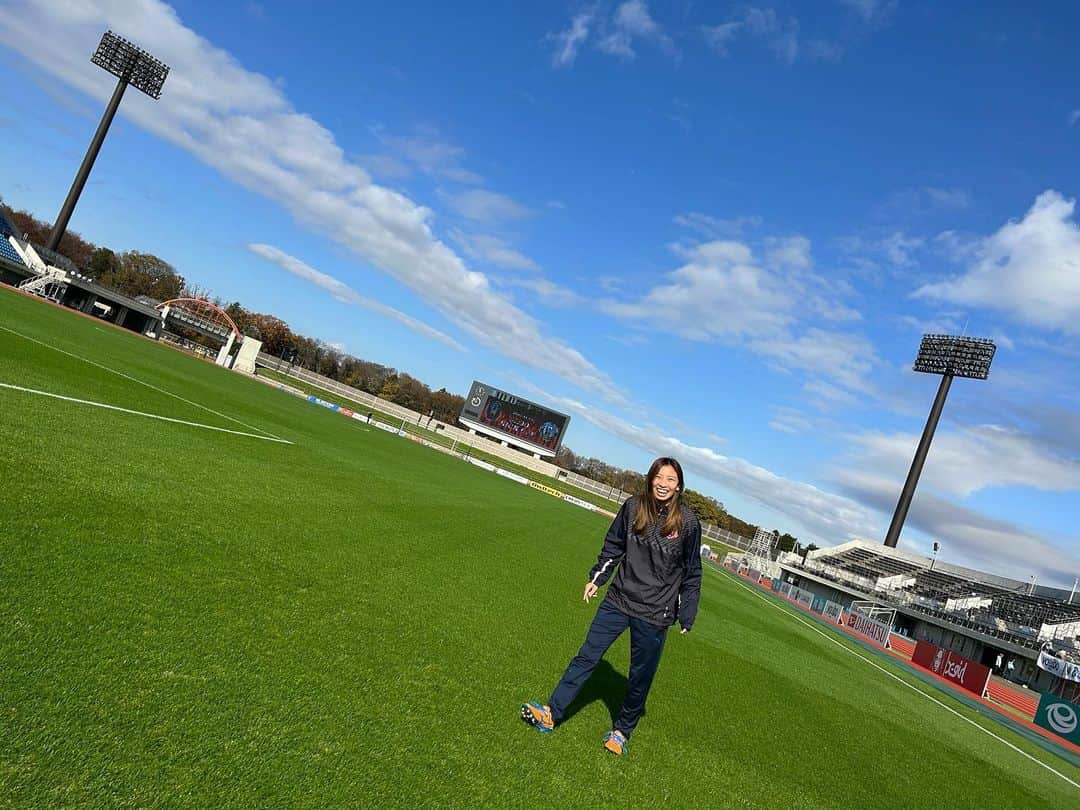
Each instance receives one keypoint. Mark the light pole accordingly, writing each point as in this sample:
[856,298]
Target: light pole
[950,357]
[937,548]
[132,66]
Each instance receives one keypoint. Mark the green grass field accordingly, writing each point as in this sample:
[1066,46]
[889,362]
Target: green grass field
[190,617]
[436,437]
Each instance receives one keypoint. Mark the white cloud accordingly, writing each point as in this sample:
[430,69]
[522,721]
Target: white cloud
[426,150]
[546,291]
[976,458]
[481,205]
[242,124]
[789,252]
[714,227]
[968,538]
[1074,116]
[1029,270]
[791,420]
[898,249]
[720,37]
[346,294]
[873,12]
[783,34]
[780,34]
[846,358]
[827,397]
[948,197]
[569,42]
[722,293]
[631,22]
[829,518]
[487,248]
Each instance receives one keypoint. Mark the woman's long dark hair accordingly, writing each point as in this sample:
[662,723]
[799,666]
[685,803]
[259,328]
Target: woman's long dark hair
[649,508]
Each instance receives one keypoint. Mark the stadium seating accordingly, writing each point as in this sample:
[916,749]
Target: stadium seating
[7,228]
[8,252]
[989,604]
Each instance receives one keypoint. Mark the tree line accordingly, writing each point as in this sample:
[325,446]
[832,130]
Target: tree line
[133,274]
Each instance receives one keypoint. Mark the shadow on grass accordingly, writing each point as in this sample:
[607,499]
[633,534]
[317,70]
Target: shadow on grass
[605,684]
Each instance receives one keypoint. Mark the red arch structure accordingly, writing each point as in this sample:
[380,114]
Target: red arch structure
[201,308]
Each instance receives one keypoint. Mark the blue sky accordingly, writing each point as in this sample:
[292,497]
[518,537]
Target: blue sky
[716,230]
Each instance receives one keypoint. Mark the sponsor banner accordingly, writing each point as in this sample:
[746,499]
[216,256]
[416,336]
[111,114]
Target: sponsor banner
[754,574]
[1063,669]
[546,488]
[952,667]
[323,402]
[358,417]
[834,611]
[1059,716]
[818,605]
[388,428]
[521,479]
[578,502]
[805,598]
[870,628]
[776,585]
[785,589]
[481,464]
[346,412]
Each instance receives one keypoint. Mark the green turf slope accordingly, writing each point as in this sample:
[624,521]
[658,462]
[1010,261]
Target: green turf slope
[195,618]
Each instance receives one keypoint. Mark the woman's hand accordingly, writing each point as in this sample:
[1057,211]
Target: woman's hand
[590,591]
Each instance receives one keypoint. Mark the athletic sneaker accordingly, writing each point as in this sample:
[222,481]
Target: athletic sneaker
[537,716]
[615,742]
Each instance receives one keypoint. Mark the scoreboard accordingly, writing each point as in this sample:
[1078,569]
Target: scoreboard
[511,418]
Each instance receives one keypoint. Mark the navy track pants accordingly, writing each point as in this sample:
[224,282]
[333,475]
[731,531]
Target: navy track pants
[646,645]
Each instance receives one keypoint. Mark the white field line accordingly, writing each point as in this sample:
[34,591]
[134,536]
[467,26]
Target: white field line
[141,413]
[894,676]
[140,382]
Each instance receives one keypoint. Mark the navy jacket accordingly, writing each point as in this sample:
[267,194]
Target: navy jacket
[656,578]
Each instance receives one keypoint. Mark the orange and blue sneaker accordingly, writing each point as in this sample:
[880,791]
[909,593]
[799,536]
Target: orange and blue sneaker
[615,742]
[537,716]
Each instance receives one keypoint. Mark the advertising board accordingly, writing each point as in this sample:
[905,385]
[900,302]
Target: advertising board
[544,488]
[834,611]
[1057,666]
[1059,716]
[963,672]
[872,629]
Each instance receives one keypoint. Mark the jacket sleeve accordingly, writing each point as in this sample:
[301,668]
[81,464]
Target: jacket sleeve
[614,547]
[690,593]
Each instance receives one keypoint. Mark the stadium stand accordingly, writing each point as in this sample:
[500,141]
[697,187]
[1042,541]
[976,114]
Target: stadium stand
[7,228]
[8,252]
[1007,609]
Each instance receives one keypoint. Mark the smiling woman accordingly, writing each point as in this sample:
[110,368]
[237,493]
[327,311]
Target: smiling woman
[650,554]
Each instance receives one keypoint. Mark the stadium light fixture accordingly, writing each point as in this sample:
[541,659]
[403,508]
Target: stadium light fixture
[949,356]
[131,65]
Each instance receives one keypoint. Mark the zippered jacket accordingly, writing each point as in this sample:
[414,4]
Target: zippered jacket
[656,578]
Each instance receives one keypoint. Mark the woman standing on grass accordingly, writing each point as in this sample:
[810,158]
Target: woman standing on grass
[652,548]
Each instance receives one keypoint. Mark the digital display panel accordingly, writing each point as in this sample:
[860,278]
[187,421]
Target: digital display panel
[518,420]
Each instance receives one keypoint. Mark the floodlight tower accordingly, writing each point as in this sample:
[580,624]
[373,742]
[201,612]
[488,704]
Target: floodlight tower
[950,357]
[130,65]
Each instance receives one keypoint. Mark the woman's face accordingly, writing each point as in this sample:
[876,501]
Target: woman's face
[664,483]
